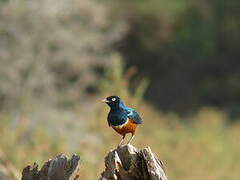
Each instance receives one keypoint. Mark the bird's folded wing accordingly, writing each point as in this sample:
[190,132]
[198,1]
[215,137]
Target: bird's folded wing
[133,115]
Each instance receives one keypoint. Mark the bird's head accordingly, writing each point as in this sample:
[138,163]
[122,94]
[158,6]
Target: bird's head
[113,101]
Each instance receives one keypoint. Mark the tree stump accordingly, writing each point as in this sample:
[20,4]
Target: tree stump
[128,163]
[123,163]
[59,168]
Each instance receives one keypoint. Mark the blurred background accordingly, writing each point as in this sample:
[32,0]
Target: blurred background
[176,62]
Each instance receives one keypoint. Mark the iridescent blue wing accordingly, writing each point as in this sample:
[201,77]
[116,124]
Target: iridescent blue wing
[133,115]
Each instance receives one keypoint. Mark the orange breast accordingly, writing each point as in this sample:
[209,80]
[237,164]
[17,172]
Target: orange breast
[130,127]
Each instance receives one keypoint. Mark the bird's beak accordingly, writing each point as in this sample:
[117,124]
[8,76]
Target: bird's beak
[105,101]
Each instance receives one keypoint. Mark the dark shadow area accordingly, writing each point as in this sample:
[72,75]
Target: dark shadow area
[191,61]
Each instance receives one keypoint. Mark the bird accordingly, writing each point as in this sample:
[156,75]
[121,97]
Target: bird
[121,118]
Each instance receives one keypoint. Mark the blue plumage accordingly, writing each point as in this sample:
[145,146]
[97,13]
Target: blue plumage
[133,115]
[122,118]
[119,113]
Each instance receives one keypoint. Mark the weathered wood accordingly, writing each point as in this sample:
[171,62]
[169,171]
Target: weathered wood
[128,163]
[59,168]
[123,163]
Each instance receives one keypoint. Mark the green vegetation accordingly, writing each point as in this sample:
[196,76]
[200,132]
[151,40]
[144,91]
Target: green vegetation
[58,59]
[184,47]
[203,146]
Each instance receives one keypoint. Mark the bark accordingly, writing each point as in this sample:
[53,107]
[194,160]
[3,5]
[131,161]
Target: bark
[128,163]
[59,168]
[124,163]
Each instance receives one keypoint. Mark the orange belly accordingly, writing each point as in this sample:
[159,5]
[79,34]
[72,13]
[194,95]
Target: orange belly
[130,127]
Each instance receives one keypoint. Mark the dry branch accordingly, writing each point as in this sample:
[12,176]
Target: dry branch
[59,168]
[128,163]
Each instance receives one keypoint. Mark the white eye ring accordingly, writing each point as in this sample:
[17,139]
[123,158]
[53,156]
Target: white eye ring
[113,99]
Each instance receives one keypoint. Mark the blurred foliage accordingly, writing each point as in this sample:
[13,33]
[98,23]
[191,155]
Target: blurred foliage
[55,51]
[116,80]
[51,50]
[188,49]
[22,144]
[202,146]
[207,146]
[59,58]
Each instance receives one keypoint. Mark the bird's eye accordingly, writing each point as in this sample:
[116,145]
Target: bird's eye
[113,99]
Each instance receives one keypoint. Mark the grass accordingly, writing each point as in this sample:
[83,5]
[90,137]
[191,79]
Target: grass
[203,146]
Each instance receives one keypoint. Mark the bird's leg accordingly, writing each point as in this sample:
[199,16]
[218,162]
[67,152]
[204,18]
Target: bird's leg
[122,140]
[131,139]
